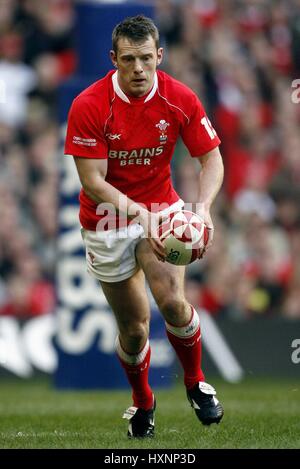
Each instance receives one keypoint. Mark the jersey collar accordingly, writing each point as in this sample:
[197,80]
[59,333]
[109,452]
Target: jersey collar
[123,96]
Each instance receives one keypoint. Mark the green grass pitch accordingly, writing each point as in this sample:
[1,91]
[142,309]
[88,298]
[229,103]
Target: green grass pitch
[258,414]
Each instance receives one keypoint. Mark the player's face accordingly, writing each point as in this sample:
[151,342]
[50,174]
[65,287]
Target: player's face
[136,64]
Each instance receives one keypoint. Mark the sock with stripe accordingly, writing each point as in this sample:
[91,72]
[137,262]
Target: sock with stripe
[186,341]
[136,367]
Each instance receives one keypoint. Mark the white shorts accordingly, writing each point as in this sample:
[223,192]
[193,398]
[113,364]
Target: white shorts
[110,255]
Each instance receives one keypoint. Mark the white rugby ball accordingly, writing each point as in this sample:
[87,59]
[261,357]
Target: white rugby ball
[184,236]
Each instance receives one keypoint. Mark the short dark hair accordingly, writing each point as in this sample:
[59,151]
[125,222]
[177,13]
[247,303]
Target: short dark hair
[136,29]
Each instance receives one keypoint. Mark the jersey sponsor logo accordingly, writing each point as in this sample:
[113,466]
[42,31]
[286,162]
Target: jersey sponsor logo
[88,142]
[142,156]
[162,126]
[113,136]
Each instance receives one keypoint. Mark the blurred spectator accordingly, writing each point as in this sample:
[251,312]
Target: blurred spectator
[17,78]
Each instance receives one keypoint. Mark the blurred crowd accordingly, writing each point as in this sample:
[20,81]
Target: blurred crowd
[241,58]
[36,54]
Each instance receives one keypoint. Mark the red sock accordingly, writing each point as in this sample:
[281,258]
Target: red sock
[186,341]
[136,367]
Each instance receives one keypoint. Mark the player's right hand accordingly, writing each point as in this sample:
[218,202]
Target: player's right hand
[150,222]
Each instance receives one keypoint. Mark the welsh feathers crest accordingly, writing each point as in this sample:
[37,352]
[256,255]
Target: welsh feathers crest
[162,125]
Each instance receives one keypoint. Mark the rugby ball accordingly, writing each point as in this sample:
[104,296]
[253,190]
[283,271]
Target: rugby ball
[184,235]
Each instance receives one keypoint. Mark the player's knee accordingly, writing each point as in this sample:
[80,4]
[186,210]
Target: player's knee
[136,332]
[172,308]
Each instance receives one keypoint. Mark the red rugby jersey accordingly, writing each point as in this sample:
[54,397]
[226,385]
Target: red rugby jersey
[138,136]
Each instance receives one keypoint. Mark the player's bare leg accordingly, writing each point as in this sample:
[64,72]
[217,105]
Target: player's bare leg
[166,282]
[129,302]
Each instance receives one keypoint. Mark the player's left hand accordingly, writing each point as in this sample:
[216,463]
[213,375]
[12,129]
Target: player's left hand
[205,215]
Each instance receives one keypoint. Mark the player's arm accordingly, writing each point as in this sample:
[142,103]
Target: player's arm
[210,181]
[92,173]
[203,143]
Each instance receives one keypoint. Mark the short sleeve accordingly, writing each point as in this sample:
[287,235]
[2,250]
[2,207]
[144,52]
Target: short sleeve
[85,137]
[198,134]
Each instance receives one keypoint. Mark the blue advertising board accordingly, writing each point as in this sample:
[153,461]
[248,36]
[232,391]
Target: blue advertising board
[94,25]
[86,328]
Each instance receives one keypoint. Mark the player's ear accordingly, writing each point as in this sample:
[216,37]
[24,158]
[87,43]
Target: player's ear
[160,53]
[113,57]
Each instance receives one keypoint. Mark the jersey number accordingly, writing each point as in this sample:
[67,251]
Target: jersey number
[208,127]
